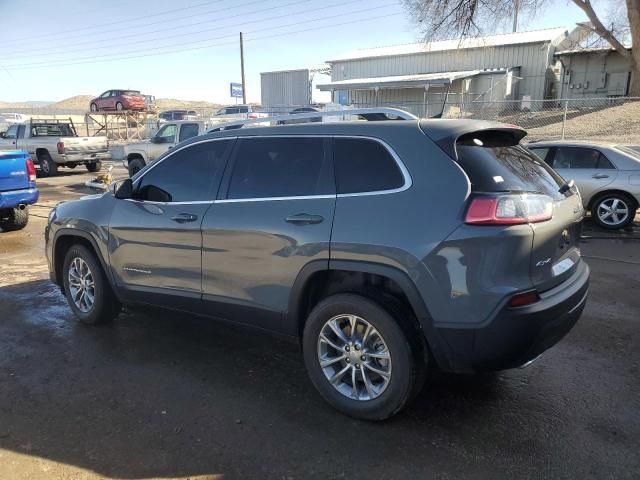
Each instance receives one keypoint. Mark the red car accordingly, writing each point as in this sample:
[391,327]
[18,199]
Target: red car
[118,100]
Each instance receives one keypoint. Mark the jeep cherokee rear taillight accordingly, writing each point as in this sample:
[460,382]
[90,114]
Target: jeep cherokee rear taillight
[509,209]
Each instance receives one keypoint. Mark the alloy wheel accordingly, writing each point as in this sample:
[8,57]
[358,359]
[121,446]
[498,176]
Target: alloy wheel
[354,357]
[81,285]
[613,211]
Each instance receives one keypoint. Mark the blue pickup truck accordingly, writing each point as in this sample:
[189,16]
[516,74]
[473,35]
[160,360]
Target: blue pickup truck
[17,189]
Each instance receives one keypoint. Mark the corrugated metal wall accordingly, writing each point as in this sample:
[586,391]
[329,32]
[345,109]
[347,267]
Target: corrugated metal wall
[287,88]
[595,75]
[533,59]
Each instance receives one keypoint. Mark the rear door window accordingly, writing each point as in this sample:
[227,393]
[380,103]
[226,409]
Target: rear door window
[575,158]
[280,167]
[541,153]
[494,163]
[364,165]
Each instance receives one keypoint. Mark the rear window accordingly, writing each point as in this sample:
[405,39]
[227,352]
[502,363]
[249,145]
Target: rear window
[494,163]
[131,92]
[52,130]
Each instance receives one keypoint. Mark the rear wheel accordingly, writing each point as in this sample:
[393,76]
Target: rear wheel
[359,358]
[48,168]
[613,211]
[135,165]
[86,287]
[14,219]
[94,167]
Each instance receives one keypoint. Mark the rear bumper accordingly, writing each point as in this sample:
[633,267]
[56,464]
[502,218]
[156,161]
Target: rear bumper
[14,198]
[515,336]
[85,157]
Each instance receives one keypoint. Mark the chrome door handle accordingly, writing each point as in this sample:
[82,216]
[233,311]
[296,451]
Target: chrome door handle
[599,175]
[184,218]
[304,219]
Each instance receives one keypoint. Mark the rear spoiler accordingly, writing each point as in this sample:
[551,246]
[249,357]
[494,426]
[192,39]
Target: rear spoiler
[447,133]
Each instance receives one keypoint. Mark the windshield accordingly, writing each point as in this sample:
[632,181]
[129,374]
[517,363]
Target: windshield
[53,130]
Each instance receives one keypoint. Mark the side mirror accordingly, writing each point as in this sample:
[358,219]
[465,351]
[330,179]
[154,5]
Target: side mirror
[125,189]
[156,139]
[3,134]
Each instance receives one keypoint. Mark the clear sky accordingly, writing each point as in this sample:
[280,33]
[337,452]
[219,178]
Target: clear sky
[188,49]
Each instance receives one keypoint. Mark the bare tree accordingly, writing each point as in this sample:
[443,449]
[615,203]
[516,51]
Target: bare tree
[466,18]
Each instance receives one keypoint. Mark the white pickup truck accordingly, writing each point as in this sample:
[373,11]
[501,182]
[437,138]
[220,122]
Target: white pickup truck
[55,143]
[138,155]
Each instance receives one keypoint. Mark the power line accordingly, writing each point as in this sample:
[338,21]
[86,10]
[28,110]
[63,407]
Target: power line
[137,35]
[118,22]
[264,37]
[80,60]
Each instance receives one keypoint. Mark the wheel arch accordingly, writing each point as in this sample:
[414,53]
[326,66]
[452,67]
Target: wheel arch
[610,191]
[64,239]
[42,151]
[136,155]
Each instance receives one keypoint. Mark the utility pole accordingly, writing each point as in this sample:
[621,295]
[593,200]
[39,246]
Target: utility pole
[244,88]
[516,10]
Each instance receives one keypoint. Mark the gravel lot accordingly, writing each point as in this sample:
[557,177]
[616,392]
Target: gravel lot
[164,395]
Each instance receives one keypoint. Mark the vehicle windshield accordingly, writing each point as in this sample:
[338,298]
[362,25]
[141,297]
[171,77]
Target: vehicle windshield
[53,130]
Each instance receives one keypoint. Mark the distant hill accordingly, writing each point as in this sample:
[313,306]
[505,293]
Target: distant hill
[81,102]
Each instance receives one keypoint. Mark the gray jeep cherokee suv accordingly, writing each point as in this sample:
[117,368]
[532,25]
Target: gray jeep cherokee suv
[383,246]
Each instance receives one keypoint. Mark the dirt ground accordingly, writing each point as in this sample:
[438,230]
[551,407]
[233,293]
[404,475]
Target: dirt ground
[164,395]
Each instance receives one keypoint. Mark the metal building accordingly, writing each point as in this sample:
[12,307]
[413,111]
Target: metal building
[282,90]
[593,73]
[420,76]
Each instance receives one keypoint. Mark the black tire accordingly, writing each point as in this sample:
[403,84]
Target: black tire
[105,305]
[135,165]
[607,200]
[119,106]
[15,219]
[93,107]
[48,168]
[94,166]
[407,363]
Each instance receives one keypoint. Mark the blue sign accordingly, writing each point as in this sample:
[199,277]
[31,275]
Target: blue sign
[236,90]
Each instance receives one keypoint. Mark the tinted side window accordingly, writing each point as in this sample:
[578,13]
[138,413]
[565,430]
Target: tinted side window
[364,165]
[188,175]
[188,130]
[576,157]
[244,109]
[280,167]
[604,163]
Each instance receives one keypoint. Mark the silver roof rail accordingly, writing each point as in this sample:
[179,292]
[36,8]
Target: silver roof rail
[381,113]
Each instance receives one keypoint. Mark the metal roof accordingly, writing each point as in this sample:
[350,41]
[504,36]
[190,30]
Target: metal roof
[577,51]
[517,38]
[399,81]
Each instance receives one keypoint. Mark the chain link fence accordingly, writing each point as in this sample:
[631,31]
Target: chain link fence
[614,119]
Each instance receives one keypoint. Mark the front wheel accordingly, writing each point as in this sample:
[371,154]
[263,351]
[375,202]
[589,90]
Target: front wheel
[94,166]
[613,211]
[119,106]
[359,357]
[135,165]
[93,107]
[86,287]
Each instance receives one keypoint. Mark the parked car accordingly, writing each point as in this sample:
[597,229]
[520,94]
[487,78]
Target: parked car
[138,155]
[607,176]
[54,144]
[175,115]
[12,118]
[382,246]
[302,120]
[17,189]
[119,100]
[236,112]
